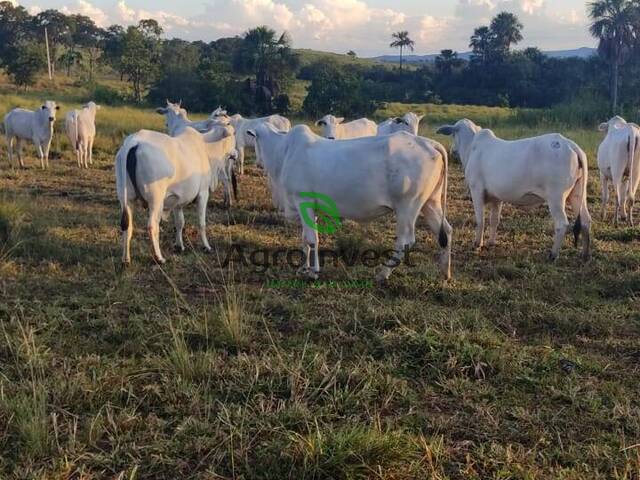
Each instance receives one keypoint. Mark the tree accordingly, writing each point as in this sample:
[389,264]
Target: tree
[141,51]
[26,61]
[15,27]
[447,61]
[351,54]
[270,59]
[401,40]
[481,42]
[69,59]
[88,36]
[614,25]
[506,30]
[113,47]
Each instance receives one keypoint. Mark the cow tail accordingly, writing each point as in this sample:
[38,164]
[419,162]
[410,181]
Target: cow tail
[443,238]
[584,165]
[128,169]
[632,147]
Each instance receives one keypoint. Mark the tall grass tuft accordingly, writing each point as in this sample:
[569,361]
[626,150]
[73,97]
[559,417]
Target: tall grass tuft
[233,315]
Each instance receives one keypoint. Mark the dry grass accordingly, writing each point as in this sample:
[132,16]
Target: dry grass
[516,369]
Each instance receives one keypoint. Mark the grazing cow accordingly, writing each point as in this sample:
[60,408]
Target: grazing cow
[365,178]
[81,130]
[409,122]
[618,157]
[243,125]
[333,128]
[36,126]
[167,173]
[177,121]
[547,169]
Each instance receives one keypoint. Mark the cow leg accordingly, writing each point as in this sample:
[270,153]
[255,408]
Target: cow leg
[617,188]
[127,234]
[202,200]
[310,246]
[624,199]
[41,155]
[560,223]
[46,149]
[178,217]
[241,158]
[604,197]
[477,197]
[91,140]
[585,219]
[442,231]
[495,210]
[155,214]
[405,240]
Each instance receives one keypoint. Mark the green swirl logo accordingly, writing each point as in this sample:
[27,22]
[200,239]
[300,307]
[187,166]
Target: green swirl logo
[326,218]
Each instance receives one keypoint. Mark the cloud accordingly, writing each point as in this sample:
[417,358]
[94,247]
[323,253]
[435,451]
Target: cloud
[342,25]
[82,7]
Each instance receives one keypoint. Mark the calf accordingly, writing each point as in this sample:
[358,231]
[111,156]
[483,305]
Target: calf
[81,130]
[37,126]
[618,158]
[167,173]
[547,169]
[333,128]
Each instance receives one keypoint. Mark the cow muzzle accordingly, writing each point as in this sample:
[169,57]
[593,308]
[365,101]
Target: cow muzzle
[331,138]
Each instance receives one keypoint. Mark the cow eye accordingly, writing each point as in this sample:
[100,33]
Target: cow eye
[43,107]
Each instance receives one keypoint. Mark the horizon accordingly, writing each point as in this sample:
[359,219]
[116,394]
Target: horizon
[364,26]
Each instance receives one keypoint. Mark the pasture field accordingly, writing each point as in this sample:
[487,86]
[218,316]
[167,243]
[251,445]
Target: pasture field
[516,369]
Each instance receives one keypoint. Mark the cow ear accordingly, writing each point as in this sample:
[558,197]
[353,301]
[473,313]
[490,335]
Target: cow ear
[603,127]
[57,107]
[420,117]
[252,133]
[339,119]
[161,111]
[446,130]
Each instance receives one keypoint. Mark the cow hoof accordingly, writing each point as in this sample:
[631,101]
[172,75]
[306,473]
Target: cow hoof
[308,273]
[206,249]
[160,261]
[383,275]
[178,249]
[553,257]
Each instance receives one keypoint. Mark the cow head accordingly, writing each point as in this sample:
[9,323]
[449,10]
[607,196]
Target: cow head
[329,125]
[409,122]
[463,133]
[615,122]
[49,109]
[92,106]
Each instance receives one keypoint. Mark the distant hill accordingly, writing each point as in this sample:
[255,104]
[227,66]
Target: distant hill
[583,52]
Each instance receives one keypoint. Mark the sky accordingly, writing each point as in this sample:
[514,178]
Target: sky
[364,26]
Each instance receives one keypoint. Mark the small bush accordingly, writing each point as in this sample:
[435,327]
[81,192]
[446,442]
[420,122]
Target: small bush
[105,95]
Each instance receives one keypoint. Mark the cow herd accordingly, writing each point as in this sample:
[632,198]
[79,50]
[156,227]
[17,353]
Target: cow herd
[366,169]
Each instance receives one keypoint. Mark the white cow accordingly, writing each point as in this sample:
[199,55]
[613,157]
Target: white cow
[618,157]
[364,178]
[333,128]
[81,130]
[167,173]
[36,126]
[409,122]
[177,121]
[547,169]
[243,125]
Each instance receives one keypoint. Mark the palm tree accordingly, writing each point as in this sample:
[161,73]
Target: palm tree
[506,30]
[481,43]
[401,40]
[614,25]
[447,61]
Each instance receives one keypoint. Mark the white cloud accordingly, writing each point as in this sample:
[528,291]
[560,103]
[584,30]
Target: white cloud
[342,25]
[83,7]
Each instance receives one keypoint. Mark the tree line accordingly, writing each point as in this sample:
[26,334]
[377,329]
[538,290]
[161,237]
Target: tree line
[254,73]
